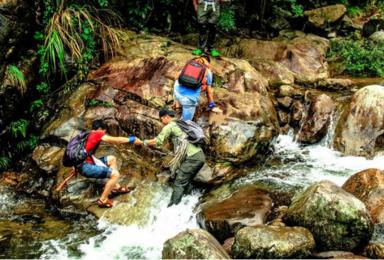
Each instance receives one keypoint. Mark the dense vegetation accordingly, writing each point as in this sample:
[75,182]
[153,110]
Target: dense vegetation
[76,35]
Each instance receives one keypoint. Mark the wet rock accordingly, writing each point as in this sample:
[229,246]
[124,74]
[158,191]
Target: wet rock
[247,207]
[275,73]
[237,140]
[336,219]
[267,242]
[48,158]
[228,243]
[335,84]
[283,117]
[332,254]
[296,114]
[215,175]
[285,129]
[323,17]
[368,186]
[377,36]
[135,207]
[372,26]
[285,91]
[360,127]
[374,251]
[285,102]
[193,244]
[316,122]
[31,210]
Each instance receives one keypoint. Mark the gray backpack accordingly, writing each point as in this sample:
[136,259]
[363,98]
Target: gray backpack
[194,131]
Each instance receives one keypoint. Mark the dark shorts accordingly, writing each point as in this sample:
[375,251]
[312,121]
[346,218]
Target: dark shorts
[94,171]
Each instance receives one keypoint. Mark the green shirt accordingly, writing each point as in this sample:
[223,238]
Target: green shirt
[170,130]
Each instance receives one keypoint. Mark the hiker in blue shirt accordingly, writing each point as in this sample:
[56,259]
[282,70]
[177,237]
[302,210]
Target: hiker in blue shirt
[188,98]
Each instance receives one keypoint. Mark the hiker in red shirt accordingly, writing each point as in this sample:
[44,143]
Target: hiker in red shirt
[105,167]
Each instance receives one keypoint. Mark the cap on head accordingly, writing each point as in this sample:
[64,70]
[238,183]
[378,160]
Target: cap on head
[167,111]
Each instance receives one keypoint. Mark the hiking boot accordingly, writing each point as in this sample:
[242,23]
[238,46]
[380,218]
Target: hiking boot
[214,53]
[197,52]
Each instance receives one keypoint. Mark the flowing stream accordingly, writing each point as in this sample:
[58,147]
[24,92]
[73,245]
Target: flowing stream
[291,169]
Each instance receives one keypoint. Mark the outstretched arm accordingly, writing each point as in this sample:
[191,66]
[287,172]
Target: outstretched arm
[120,140]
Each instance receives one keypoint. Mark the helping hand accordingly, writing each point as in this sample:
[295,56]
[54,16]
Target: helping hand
[138,142]
[217,110]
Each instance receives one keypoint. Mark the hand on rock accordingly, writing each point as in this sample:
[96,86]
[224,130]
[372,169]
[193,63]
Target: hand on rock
[217,110]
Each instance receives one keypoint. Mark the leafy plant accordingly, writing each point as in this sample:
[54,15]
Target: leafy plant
[227,19]
[30,143]
[139,12]
[354,11]
[4,163]
[38,103]
[15,78]
[19,126]
[361,58]
[71,26]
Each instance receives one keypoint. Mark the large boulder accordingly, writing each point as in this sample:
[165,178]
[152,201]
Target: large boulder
[316,122]
[323,17]
[360,127]
[241,93]
[193,244]
[303,59]
[368,186]
[247,207]
[270,242]
[336,219]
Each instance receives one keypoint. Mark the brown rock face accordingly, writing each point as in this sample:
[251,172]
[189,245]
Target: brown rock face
[335,84]
[368,186]
[247,207]
[302,59]
[296,114]
[317,120]
[275,73]
[359,130]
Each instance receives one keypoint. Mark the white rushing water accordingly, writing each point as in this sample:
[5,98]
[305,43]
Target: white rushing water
[292,167]
[132,242]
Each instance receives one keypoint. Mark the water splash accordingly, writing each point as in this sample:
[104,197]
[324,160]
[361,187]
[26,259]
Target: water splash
[132,242]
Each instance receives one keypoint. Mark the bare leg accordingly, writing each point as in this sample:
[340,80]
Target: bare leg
[111,183]
[112,163]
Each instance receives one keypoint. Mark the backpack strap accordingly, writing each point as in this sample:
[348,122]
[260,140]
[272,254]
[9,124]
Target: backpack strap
[74,171]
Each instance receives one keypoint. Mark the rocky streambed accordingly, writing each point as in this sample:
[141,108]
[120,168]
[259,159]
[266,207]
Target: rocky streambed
[276,184]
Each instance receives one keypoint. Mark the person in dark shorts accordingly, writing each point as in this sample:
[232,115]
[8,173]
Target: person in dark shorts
[208,13]
[190,166]
[105,167]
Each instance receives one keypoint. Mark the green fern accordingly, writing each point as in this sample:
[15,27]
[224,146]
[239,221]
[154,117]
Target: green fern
[19,127]
[15,78]
[354,11]
[4,163]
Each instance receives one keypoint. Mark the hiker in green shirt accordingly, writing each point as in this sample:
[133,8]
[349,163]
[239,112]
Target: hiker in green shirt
[190,166]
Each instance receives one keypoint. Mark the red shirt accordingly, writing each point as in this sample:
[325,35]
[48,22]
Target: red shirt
[93,140]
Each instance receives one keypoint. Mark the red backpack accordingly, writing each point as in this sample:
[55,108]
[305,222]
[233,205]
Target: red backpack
[193,74]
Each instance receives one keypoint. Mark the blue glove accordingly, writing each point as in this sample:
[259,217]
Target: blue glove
[211,105]
[132,139]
